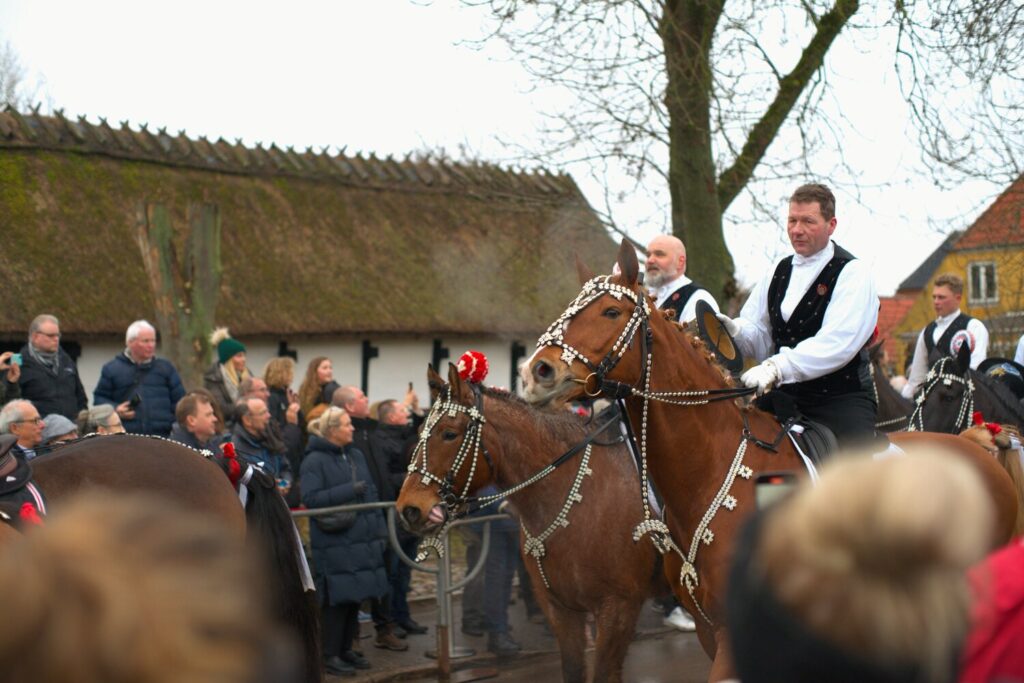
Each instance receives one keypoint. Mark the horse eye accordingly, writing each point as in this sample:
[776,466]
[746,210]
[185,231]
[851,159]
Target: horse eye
[449,435]
[611,312]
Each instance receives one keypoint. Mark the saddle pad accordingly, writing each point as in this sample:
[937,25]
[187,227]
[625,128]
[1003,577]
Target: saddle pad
[795,432]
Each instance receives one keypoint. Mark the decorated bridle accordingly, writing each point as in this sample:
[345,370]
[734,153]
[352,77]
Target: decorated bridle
[939,373]
[639,321]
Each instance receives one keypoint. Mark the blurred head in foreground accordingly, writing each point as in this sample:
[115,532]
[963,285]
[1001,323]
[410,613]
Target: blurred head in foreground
[861,578]
[133,588]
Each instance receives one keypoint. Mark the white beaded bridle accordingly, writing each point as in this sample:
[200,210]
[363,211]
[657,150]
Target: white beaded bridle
[939,373]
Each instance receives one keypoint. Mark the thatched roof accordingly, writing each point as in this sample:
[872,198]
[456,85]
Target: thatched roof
[311,243]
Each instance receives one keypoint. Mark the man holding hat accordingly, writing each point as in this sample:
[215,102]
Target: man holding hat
[223,378]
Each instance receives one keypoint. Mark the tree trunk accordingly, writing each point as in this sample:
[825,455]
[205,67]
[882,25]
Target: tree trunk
[185,289]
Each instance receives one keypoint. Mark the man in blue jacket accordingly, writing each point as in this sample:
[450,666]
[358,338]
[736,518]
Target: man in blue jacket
[143,389]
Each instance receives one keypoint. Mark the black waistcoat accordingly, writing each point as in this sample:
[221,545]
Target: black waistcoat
[678,299]
[937,350]
[805,322]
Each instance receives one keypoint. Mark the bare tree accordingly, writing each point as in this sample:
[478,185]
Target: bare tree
[16,90]
[695,92]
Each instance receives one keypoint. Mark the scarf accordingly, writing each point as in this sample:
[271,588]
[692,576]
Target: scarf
[50,361]
[232,379]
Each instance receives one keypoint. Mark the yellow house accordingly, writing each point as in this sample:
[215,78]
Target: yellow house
[989,256]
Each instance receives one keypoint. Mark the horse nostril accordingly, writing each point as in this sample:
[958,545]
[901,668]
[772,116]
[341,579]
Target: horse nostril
[542,371]
[411,514]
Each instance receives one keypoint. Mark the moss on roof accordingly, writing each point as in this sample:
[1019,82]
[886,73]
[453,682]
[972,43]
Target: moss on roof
[302,253]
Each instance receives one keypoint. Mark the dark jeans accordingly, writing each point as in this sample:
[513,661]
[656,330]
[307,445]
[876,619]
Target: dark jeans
[401,579]
[380,608]
[340,625]
[499,570]
[473,592]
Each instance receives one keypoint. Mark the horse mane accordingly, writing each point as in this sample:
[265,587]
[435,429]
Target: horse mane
[56,448]
[561,424]
[1006,398]
[702,348]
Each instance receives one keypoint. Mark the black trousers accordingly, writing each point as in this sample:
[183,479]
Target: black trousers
[340,624]
[851,417]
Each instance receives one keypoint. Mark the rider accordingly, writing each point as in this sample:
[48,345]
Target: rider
[809,322]
[666,280]
[944,335]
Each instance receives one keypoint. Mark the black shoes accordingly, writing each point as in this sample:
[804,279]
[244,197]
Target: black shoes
[410,626]
[502,645]
[355,659]
[336,666]
[472,628]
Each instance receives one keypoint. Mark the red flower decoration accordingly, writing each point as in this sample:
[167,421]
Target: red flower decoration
[976,418]
[29,515]
[234,467]
[473,366]
[993,427]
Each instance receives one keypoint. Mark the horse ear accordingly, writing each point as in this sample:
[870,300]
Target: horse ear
[583,271]
[628,264]
[435,382]
[963,358]
[460,389]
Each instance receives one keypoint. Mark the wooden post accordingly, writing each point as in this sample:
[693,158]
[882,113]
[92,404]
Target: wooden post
[185,287]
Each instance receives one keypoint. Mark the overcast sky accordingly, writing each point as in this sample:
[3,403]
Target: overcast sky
[393,77]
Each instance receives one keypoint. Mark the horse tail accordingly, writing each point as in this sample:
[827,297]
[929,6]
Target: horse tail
[1010,460]
[272,529]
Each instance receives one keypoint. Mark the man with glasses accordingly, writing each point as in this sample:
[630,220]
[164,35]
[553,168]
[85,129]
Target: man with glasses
[252,444]
[99,419]
[49,378]
[20,418]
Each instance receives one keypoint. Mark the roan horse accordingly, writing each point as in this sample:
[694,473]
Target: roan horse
[576,520]
[702,452]
[128,463]
[952,392]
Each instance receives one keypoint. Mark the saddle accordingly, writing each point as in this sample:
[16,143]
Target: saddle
[812,439]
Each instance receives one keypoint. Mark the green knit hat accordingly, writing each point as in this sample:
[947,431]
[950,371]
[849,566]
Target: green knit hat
[226,346]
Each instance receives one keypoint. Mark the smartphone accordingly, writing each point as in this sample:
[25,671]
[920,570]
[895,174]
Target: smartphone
[771,487]
[16,359]
[134,401]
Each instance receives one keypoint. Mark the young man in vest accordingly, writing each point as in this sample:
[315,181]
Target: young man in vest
[809,320]
[665,278]
[946,334]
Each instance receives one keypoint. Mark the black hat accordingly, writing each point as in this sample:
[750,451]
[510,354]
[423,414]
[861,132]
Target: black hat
[718,339]
[1006,371]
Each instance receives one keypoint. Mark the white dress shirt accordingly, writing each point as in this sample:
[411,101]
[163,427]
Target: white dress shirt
[661,295]
[849,321]
[919,366]
[1019,356]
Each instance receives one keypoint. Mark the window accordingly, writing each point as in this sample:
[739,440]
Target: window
[982,283]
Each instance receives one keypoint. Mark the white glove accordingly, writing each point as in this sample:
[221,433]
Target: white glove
[761,377]
[731,326]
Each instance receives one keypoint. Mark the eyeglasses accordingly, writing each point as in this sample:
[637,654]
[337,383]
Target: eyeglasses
[33,420]
[51,335]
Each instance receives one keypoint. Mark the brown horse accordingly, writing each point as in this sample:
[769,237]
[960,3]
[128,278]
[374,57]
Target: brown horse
[128,463]
[702,452]
[575,561]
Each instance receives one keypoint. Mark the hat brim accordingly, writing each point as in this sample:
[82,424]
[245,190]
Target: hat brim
[713,333]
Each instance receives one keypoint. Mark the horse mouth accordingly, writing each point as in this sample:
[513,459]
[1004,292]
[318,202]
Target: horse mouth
[547,387]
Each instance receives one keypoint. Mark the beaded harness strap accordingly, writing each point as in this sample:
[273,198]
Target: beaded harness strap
[874,390]
[940,373]
[639,320]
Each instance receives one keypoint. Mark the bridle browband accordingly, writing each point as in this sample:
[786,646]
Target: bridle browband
[938,373]
[460,504]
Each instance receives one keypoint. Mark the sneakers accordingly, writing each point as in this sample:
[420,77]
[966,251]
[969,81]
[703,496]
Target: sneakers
[502,645]
[679,619]
[336,666]
[386,640]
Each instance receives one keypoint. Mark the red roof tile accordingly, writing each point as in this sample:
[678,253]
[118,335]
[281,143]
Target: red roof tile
[891,313]
[1001,224]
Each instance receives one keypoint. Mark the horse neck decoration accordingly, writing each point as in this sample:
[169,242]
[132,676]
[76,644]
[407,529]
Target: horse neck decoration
[952,392]
[695,442]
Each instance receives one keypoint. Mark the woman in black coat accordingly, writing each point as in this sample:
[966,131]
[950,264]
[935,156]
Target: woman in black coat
[349,564]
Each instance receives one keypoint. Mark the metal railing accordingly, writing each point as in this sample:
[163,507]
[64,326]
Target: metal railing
[446,649]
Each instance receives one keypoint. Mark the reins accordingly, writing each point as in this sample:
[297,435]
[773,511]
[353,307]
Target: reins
[937,374]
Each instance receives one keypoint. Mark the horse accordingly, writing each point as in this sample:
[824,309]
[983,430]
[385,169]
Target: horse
[701,446]
[568,518]
[893,410]
[952,392]
[125,463]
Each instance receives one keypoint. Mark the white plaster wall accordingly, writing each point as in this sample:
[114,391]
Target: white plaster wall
[401,360]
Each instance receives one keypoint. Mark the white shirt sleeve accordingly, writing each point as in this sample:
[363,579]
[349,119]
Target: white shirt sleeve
[918,368]
[1019,356]
[755,335]
[980,332]
[689,311]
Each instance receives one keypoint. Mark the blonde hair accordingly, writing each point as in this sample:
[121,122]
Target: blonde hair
[279,372]
[873,558]
[328,421]
[130,589]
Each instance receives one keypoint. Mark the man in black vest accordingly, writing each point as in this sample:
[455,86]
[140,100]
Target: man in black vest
[809,321]
[946,334]
[666,280]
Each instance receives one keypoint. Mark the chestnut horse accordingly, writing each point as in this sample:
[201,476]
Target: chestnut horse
[576,521]
[702,448]
[126,463]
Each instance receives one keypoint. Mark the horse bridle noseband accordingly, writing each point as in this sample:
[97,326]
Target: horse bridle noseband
[936,374]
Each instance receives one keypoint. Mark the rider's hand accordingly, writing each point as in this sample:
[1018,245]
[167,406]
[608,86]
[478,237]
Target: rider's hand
[731,326]
[761,377]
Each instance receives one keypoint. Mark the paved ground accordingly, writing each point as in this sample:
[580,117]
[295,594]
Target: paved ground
[658,654]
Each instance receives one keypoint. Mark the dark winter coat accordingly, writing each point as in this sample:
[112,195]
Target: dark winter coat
[291,435]
[363,427]
[213,381]
[183,436]
[51,392]
[156,382]
[392,446]
[350,564]
[258,452]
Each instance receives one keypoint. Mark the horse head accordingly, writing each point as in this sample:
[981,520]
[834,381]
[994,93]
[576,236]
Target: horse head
[598,338]
[946,401]
[450,461]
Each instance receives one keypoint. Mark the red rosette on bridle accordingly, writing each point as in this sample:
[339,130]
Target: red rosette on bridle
[473,366]
[29,515]
[993,427]
[234,467]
